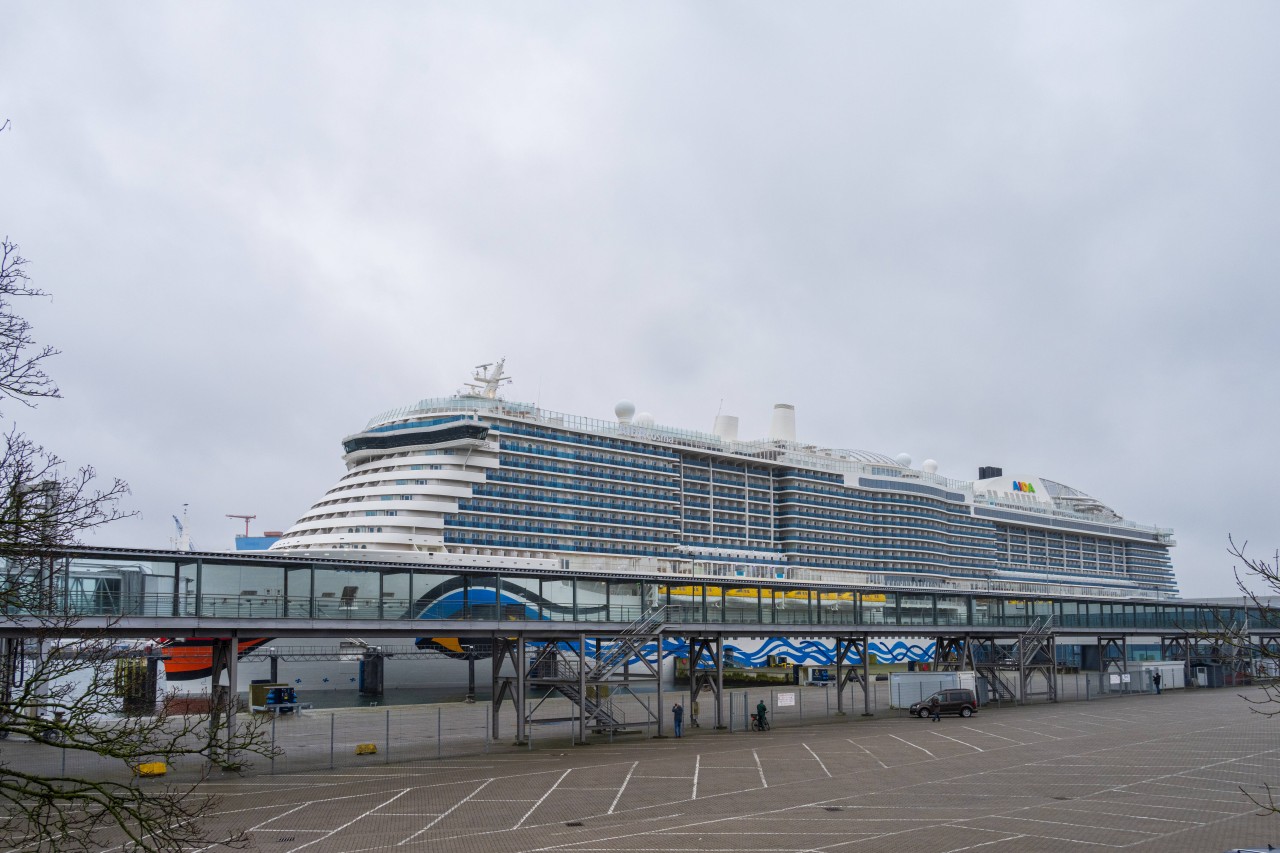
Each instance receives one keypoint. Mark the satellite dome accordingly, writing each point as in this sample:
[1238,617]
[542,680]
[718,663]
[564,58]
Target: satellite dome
[624,410]
[644,419]
[903,459]
[929,466]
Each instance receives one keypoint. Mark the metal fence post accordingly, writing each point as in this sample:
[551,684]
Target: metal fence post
[386,759]
[439,732]
[484,722]
[331,726]
[274,717]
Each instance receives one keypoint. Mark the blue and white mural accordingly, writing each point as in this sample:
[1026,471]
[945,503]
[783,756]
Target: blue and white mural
[518,603]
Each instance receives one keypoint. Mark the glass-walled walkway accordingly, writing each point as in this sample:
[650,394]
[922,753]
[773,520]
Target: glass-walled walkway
[112,583]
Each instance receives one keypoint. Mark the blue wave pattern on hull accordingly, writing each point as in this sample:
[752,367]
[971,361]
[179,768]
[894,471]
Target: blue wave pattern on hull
[751,654]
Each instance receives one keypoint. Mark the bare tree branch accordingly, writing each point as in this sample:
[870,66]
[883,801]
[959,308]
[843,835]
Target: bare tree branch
[22,375]
[63,691]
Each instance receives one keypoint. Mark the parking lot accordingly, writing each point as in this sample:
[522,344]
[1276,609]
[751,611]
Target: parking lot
[1141,772]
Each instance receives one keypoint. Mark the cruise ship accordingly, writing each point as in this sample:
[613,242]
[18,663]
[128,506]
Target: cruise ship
[477,479]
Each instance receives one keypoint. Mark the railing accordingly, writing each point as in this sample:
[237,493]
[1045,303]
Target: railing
[1195,621]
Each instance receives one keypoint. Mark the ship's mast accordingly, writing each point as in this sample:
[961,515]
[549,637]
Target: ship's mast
[486,381]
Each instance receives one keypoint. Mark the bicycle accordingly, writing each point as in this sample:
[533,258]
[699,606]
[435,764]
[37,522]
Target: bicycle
[759,724]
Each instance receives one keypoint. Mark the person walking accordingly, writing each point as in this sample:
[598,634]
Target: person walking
[677,715]
[937,709]
[1156,679]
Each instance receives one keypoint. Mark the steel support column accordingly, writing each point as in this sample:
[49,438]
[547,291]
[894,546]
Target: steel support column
[582,688]
[712,680]
[847,673]
[658,710]
[522,658]
[866,675]
[720,681]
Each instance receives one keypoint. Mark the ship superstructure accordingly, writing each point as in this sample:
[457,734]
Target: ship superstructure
[474,478]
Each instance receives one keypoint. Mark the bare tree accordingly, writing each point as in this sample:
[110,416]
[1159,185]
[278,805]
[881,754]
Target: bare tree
[64,689]
[1258,581]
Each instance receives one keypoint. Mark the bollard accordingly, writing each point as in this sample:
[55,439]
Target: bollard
[331,719]
[439,734]
[800,701]
[387,739]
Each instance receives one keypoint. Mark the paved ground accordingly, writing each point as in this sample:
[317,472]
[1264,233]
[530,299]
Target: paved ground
[1141,772]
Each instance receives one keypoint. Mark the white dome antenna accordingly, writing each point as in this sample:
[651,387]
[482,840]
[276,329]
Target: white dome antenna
[903,459]
[929,466]
[624,410]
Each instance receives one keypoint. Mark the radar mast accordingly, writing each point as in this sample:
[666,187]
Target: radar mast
[487,380]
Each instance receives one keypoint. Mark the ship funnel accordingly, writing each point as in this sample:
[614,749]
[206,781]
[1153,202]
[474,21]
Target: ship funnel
[783,427]
[726,427]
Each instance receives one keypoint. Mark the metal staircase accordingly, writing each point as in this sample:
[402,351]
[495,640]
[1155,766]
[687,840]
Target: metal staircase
[592,682]
[625,645]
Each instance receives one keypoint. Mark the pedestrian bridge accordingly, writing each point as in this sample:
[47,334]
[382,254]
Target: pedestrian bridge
[589,633]
[135,592]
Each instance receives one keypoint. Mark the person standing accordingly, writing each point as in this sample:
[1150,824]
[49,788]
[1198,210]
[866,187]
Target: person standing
[1156,679]
[677,716]
[761,719]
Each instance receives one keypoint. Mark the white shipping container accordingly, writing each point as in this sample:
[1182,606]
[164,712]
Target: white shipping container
[1173,675]
[907,688]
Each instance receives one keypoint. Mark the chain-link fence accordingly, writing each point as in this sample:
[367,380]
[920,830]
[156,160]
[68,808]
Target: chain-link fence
[341,739]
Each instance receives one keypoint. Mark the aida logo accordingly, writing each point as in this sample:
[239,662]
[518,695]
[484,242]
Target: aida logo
[1023,487]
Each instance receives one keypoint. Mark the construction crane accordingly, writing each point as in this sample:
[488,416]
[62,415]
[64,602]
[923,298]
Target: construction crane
[247,519]
[182,542]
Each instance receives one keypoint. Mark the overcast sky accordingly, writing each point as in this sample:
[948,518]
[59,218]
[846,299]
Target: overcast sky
[1040,236]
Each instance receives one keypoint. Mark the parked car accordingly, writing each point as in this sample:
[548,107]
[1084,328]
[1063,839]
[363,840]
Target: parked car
[950,701]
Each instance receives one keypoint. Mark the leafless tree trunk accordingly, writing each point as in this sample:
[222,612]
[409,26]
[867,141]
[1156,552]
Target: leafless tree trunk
[62,689]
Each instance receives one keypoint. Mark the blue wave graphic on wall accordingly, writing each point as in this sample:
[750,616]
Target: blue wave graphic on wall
[446,601]
[803,652]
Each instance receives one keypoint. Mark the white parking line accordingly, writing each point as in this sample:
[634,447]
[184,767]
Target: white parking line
[1075,825]
[982,843]
[993,734]
[336,830]
[817,759]
[521,821]
[760,767]
[868,752]
[697,768]
[917,746]
[957,740]
[614,804]
[446,813]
